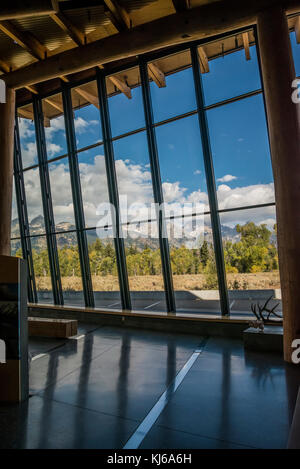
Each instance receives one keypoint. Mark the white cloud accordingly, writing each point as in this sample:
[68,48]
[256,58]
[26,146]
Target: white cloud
[197,172]
[227,178]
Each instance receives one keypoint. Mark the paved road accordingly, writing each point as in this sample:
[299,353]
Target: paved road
[239,307]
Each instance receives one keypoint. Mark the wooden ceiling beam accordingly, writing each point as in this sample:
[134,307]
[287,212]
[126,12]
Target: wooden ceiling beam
[121,85]
[69,28]
[4,67]
[197,23]
[157,75]
[19,9]
[181,5]
[246,45]
[91,98]
[203,60]
[24,39]
[118,15]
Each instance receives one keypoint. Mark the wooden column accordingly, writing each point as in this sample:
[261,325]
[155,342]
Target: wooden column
[278,73]
[7,121]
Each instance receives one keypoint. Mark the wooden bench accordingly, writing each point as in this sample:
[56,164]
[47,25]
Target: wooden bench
[46,327]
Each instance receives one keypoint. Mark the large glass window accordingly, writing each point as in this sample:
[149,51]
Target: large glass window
[238,136]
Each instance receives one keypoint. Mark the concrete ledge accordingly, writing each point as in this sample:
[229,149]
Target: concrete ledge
[185,323]
[270,340]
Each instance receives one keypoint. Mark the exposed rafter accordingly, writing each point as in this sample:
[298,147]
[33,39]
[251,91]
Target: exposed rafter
[203,60]
[297,29]
[24,39]
[68,27]
[26,114]
[4,67]
[121,85]
[20,9]
[91,98]
[196,23]
[246,45]
[53,104]
[118,15]
[181,5]
[157,75]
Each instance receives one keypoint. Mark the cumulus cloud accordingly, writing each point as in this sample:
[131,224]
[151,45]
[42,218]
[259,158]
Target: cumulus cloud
[227,178]
[135,186]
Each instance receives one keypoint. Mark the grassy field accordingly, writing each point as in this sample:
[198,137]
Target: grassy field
[257,281]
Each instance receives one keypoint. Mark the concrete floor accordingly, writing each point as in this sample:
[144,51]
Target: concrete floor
[95,391]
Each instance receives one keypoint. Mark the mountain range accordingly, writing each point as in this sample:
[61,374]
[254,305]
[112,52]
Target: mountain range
[67,235]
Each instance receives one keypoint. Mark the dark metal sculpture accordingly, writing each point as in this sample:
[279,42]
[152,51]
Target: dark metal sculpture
[263,313]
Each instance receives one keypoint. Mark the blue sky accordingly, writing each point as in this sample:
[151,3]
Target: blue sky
[238,134]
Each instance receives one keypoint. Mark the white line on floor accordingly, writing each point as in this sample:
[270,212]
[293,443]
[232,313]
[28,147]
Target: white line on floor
[41,355]
[150,306]
[232,304]
[114,304]
[143,429]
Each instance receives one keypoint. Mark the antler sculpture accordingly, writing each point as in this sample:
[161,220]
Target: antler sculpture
[259,310]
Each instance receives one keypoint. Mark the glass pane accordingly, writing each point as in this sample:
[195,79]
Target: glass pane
[93,183]
[41,269]
[34,201]
[193,265]
[172,86]
[86,115]
[104,270]
[296,52]
[27,136]
[241,154]
[125,101]
[250,250]
[144,268]
[61,193]
[230,73]
[69,266]
[15,227]
[181,163]
[54,124]
[15,248]
[134,175]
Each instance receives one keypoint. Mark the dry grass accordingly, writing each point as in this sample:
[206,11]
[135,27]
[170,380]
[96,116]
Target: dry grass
[258,281]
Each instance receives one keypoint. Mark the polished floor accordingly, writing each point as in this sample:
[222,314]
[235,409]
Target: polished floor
[94,391]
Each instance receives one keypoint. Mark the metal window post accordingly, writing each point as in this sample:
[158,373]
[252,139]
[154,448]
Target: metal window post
[47,202]
[211,185]
[157,189]
[23,215]
[77,199]
[113,192]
